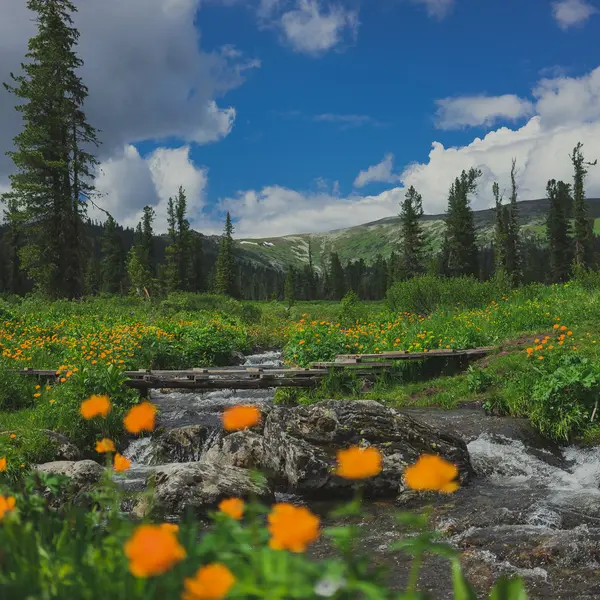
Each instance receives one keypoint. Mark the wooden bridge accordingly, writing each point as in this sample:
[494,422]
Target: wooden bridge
[368,366]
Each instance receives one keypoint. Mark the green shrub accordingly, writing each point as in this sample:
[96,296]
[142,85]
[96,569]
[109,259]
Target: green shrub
[424,294]
[16,391]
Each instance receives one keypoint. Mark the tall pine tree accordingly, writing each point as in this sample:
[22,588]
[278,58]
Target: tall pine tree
[513,255]
[500,231]
[180,251]
[225,275]
[54,167]
[460,252]
[558,230]
[584,226]
[337,279]
[412,259]
[112,265]
[141,268]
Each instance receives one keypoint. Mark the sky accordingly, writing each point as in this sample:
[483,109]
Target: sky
[311,115]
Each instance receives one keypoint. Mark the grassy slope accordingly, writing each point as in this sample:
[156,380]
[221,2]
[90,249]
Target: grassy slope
[368,240]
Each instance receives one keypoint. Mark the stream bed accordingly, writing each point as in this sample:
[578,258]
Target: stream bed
[532,510]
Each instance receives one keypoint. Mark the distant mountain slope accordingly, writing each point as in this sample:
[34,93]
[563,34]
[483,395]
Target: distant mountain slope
[380,237]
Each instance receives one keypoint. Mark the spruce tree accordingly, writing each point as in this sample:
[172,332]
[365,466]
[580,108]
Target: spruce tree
[289,290]
[460,252]
[412,260]
[500,231]
[225,276]
[584,226]
[141,268]
[112,265]
[337,280]
[12,241]
[54,168]
[513,258]
[558,230]
[196,276]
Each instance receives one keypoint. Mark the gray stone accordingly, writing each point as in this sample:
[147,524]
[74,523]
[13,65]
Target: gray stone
[82,473]
[200,486]
[302,444]
[180,444]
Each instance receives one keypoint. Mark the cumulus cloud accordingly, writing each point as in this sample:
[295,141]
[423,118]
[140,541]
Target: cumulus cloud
[570,13]
[147,76]
[381,173]
[310,27]
[127,182]
[472,111]
[437,9]
[567,110]
[277,210]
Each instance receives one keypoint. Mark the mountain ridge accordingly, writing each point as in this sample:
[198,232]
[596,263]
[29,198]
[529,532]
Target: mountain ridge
[368,240]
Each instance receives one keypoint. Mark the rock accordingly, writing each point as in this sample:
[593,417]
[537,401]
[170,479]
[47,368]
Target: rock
[200,486]
[64,449]
[83,473]
[61,447]
[300,444]
[181,444]
[236,359]
[244,449]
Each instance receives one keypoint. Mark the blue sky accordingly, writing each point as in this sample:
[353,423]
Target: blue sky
[293,99]
[401,63]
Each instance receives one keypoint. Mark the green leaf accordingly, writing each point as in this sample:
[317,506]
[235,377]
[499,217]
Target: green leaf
[462,589]
[509,589]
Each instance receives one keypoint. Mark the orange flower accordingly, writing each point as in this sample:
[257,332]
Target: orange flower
[3,464]
[234,507]
[555,326]
[7,504]
[431,472]
[13,436]
[540,358]
[95,406]
[172,527]
[569,333]
[121,463]
[359,463]
[37,395]
[140,418]
[563,328]
[240,417]
[211,582]
[153,550]
[105,445]
[292,527]
[530,351]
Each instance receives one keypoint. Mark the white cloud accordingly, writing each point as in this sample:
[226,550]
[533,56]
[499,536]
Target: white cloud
[311,27]
[437,8]
[381,172]
[567,111]
[127,182]
[147,76]
[276,210]
[570,13]
[471,111]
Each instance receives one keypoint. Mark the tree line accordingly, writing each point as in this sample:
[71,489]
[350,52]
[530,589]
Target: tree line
[49,245]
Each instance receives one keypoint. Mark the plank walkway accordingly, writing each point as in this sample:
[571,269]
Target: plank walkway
[368,366]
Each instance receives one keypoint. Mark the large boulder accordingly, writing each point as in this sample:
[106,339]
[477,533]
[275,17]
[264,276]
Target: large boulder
[81,472]
[59,448]
[300,443]
[200,486]
[180,444]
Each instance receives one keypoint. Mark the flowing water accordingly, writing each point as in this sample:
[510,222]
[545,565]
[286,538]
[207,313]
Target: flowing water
[533,509]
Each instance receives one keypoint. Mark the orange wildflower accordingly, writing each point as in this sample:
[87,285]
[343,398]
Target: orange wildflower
[563,328]
[7,504]
[95,406]
[556,326]
[140,418]
[530,351]
[432,473]
[121,463]
[13,436]
[105,445]
[292,527]
[234,507]
[240,417]
[153,550]
[211,582]
[359,463]
[3,464]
